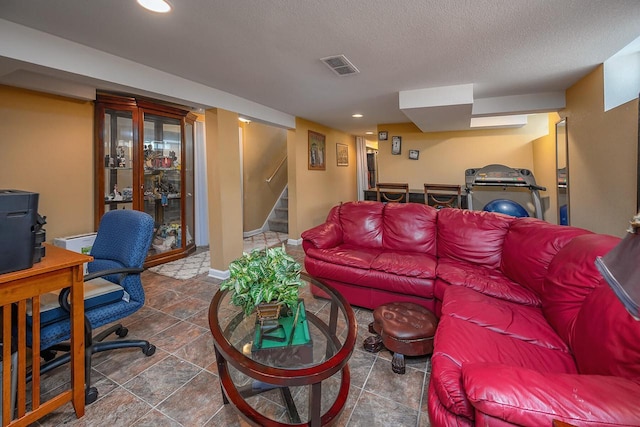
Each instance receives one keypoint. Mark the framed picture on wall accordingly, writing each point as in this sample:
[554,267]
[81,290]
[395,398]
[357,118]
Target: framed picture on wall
[382,135]
[317,151]
[342,155]
[396,144]
[414,154]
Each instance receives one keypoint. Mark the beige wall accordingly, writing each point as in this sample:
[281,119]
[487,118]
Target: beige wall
[312,193]
[444,156]
[46,143]
[264,147]
[544,167]
[602,158]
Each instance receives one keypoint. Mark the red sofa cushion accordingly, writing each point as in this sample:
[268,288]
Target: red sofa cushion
[482,279]
[606,339]
[507,318]
[409,227]
[528,397]
[472,236]
[347,255]
[458,342]
[410,264]
[369,278]
[362,224]
[529,247]
[573,275]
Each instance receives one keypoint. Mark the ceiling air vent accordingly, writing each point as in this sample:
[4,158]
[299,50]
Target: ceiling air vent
[340,65]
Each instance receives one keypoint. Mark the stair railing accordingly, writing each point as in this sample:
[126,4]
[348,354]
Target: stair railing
[277,169]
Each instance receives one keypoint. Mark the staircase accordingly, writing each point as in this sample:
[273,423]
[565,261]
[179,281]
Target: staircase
[279,219]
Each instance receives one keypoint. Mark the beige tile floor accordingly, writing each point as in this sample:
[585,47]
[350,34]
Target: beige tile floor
[178,385]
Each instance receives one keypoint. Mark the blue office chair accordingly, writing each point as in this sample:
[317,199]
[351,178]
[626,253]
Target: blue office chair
[112,291]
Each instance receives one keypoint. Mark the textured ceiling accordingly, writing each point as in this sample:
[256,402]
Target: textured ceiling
[269,51]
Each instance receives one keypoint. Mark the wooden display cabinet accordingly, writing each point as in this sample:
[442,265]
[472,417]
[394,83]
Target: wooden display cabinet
[144,161]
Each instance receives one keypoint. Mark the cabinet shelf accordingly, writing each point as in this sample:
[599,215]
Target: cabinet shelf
[109,202]
[154,170]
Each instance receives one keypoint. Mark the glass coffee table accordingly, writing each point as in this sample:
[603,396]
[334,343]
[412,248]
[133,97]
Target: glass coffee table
[273,379]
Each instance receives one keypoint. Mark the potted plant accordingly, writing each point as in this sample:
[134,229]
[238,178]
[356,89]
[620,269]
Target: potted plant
[263,276]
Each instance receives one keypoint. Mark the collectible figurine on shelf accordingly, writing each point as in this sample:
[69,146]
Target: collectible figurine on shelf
[122,162]
[116,194]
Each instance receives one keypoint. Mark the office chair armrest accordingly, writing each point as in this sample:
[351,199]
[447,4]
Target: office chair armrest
[63,297]
[102,273]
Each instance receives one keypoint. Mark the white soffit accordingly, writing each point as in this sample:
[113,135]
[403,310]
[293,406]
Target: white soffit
[519,104]
[43,83]
[449,108]
[438,109]
[622,76]
[496,122]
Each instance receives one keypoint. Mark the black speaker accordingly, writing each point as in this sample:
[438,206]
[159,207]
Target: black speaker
[18,227]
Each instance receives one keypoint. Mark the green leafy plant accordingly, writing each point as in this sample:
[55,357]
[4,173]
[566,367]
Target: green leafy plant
[263,276]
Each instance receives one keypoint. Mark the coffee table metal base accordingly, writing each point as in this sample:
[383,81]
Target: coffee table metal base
[237,398]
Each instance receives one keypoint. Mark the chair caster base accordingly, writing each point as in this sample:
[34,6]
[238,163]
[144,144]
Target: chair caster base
[90,395]
[149,350]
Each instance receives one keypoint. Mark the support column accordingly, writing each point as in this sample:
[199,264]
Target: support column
[224,189]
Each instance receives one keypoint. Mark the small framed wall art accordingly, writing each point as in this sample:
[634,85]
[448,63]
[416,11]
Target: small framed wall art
[317,151]
[396,145]
[342,154]
[383,135]
[414,154]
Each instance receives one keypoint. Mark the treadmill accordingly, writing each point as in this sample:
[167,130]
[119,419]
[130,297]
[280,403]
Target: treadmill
[503,176]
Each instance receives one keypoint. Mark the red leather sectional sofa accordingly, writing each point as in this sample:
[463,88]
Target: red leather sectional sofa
[528,333]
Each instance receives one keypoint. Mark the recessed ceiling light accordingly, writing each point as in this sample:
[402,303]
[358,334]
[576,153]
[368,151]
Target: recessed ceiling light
[369,133]
[357,115]
[160,6]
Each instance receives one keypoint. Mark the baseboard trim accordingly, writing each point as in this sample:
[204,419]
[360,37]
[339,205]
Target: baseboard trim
[252,233]
[219,274]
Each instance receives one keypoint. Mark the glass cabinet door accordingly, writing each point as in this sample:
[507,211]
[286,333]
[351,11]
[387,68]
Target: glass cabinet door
[118,159]
[189,180]
[162,145]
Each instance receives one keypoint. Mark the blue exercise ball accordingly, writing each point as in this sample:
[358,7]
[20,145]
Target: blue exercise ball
[507,207]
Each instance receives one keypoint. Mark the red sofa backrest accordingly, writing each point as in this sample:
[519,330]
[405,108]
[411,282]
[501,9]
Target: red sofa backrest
[472,236]
[605,339]
[571,277]
[409,227]
[361,224]
[395,226]
[529,247]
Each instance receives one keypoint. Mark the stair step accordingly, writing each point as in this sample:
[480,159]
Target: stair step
[279,224]
[281,213]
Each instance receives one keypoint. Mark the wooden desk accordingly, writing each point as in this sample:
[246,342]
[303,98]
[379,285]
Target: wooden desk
[59,269]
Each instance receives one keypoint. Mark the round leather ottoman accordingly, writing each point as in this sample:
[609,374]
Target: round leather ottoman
[405,328]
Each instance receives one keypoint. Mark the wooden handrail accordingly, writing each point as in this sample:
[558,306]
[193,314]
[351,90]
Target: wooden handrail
[277,169]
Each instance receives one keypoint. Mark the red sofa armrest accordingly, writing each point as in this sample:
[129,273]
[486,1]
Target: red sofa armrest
[526,397]
[323,236]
